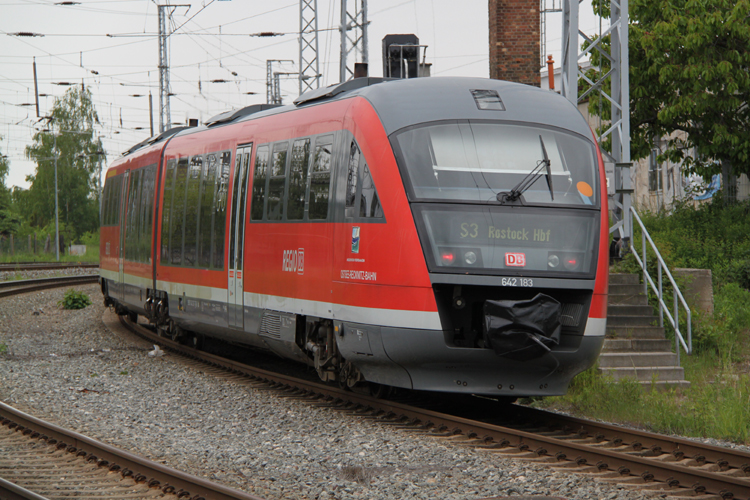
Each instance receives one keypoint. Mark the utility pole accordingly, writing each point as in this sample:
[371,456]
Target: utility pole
[544,9]
[276,95]
[36,90]
[271,86]
[309,72]
[57,224]
[151,113]
[165,115]
[353,36]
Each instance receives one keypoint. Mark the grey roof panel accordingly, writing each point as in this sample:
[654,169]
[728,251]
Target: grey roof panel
[401,103]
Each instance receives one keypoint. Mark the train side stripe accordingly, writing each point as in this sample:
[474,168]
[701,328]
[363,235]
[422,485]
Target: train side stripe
[399,318]
[396,318]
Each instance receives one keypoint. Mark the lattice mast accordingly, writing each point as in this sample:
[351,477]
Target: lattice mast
[165,116]
[353,37]
[309,69]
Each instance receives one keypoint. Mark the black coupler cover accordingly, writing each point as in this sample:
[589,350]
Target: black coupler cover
[522,329]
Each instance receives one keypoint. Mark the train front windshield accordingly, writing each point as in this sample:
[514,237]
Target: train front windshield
[475,161]
[458,175]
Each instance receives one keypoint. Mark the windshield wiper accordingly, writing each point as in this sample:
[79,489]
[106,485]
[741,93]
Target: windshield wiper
[530,179]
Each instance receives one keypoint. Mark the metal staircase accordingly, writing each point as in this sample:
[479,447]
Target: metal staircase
[635,346]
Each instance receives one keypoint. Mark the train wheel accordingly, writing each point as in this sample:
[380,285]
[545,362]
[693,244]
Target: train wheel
[379,391]
[133,317]
[176,333]
[349,376]
[194,340]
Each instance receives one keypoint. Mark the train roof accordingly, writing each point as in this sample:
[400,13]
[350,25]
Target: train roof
[401,103]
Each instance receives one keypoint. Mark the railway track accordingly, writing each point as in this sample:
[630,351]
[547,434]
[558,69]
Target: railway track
[14,287]
[675,466]
[52,462]
[42,266]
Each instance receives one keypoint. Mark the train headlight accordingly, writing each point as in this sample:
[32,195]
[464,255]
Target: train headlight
[448,257]
[571,262]
[470,257]
[553,261]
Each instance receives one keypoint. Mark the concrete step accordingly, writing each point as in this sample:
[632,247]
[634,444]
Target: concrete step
[637,359]
[647,373]
[640,345]
[629,310]
[625,289]
[635,332]
[631,321]
[665,385]
[623,279]
[633,300]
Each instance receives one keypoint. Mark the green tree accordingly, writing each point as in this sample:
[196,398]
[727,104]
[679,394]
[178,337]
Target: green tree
[688,73]
[71,137]
[9,220]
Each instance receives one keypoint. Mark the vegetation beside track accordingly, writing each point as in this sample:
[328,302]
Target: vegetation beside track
[22,253]
[717,404]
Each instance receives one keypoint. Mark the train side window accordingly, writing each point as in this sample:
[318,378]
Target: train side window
[177,224]
[192,208]
[166,216]
[277,180]
[352,175]
[369,203]
[131,216]
[107,203]
[114,206]
[295,199]
[220,214]
[147,213]
[205,217]
[320,179]
[103,204]
[114,197]
[259,183]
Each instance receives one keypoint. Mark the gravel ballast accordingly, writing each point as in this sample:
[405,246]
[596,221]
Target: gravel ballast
[68,368]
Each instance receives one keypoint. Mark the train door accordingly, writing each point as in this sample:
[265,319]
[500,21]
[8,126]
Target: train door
[235,306]
[121,249]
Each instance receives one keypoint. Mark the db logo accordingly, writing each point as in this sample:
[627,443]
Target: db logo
[515,259]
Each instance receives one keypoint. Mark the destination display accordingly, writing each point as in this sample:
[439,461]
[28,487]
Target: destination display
[493,239]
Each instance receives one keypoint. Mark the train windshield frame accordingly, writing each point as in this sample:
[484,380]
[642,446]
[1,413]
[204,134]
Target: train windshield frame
[476,161]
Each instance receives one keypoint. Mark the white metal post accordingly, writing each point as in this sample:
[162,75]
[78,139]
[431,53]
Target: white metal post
[57,225]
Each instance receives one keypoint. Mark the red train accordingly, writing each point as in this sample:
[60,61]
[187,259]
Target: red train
[443,234]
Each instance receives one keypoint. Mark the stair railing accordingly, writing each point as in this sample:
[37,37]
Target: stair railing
[647,280]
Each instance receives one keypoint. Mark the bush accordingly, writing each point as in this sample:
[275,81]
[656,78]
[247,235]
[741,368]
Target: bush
[74,300]
[90,239]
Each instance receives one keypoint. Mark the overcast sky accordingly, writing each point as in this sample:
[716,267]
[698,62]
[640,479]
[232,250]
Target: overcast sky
[112,47]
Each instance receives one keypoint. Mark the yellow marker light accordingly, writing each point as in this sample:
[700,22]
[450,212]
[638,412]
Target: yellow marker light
[585,189]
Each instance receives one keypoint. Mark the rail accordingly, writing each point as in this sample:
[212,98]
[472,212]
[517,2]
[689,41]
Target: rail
[661,267]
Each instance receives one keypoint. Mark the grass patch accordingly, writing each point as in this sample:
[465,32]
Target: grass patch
[91,256]
[717,407]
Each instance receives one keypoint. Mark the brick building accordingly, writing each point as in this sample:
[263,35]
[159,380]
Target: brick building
[514,40]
